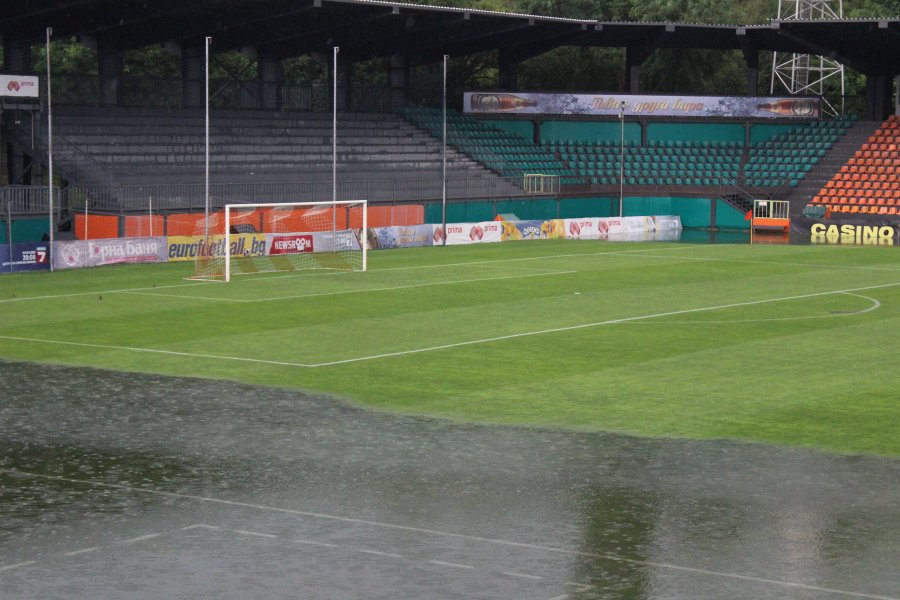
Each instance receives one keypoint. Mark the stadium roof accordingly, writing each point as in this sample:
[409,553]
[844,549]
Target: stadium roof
[374,28]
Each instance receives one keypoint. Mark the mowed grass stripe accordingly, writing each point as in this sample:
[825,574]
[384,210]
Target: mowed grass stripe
[576,373]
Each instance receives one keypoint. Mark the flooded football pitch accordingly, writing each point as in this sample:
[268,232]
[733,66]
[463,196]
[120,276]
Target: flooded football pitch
[116,485]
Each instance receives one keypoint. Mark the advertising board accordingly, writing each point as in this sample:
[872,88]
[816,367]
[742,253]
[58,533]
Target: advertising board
[844,231]
[760,107]
[469,233]
[27,256]
[19,86]
[403,236]
[76,254]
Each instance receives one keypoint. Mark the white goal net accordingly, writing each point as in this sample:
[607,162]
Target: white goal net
[281,237]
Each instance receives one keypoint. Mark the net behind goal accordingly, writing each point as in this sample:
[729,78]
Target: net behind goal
[281,237]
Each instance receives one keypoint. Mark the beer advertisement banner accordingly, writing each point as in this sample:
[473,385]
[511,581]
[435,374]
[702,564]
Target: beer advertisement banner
[400,236]
[844,231]
[94,253]
[19,86]
[189,247]
[639,105]
[28,256]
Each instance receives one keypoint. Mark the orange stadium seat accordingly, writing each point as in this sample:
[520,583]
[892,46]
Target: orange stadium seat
[869,182]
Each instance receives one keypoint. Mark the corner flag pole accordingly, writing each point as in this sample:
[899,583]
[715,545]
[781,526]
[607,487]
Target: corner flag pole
[49,152]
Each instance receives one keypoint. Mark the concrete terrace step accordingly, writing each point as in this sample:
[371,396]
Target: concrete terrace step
[169,146]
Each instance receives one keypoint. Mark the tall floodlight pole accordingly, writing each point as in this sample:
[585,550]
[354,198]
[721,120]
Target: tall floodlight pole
[334,107]
[334,103]
[444,156]
[52,223]
[206,157]
[621,155]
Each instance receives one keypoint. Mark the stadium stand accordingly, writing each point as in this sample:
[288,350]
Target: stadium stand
[505,153]
[147,146]
[669,163]
[786,158]
[776,164]
[869,182]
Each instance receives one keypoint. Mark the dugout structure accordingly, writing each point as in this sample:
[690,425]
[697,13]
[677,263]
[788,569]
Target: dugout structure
[770,221]
[538,183]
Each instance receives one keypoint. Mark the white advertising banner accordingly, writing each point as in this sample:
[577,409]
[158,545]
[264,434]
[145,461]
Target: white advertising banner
[19,86]
[583,229]
[94,253]
[469,233]
[594,228]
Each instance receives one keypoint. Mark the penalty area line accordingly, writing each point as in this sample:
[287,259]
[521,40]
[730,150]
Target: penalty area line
[479,341]
[513,336]
[153,351]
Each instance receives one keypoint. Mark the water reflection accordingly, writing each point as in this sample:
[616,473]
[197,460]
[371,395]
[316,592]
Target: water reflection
[404,507]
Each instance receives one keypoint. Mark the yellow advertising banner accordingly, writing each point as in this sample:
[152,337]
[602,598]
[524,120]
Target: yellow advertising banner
[189,247]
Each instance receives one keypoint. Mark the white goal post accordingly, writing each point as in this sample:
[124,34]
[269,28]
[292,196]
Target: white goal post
[283,236]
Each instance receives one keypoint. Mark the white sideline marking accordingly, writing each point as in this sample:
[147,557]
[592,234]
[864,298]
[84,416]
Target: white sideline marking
[769,262]
[435,532]
[83,551]
[153,351]
[549,256]
[411,286]
[17,565]
[255,533]
[379,553]
[543,273]
[308,274]
[522,575]
[449,564]
[500,338]
[315,543]
[123,291]
[181,296]
[200,526]
[627,253]
[140,538]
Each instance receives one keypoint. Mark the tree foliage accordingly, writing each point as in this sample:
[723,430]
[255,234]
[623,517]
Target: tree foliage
[561,69]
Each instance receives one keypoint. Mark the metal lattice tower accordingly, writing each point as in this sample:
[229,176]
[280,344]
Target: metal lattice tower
[805,74]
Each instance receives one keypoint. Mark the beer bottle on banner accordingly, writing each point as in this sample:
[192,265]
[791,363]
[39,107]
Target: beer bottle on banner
[499,102]
[795,107]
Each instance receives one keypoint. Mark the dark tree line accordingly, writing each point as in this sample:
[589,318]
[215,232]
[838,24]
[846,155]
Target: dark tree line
[562,69]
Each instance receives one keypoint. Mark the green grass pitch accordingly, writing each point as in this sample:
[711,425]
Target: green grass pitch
[792,345]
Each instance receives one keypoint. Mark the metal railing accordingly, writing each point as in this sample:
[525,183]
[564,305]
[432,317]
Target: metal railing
[158,92]
[25,200]
[71,159]
[122,199]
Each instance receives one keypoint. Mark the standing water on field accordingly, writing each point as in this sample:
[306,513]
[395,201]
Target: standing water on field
[117,485]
